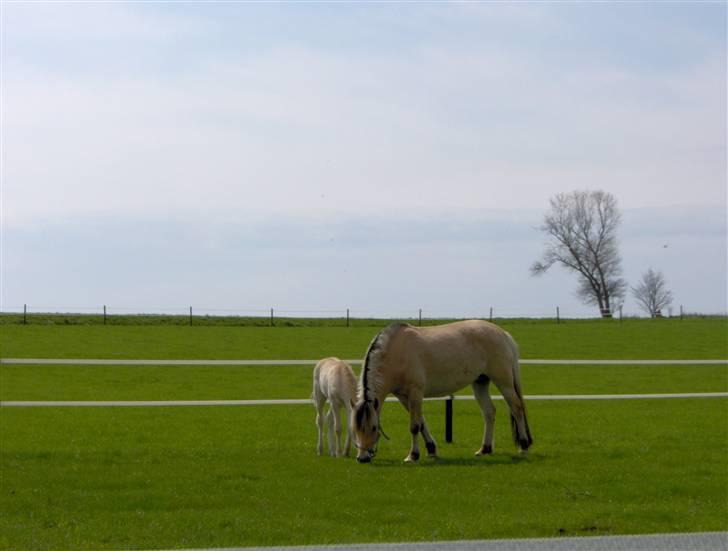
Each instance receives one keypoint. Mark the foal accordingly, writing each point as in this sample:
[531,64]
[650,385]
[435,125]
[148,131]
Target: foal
[333,381]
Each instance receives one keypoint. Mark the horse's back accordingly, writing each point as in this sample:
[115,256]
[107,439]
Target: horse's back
[446,358]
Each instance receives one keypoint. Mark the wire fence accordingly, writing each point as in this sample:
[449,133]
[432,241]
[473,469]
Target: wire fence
[189,315]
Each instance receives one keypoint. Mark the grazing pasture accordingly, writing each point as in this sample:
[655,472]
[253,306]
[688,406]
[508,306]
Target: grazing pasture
[631,339]
[107,478]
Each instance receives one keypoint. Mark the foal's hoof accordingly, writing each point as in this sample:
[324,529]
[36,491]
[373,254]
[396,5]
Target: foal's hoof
[485,450]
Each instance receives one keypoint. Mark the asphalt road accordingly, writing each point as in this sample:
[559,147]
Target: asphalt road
[706,541]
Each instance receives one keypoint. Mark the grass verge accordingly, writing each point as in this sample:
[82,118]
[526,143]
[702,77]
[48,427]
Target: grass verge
[217,477]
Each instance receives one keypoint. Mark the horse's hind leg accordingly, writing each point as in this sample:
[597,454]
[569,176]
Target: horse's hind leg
[519,425]
[482,395]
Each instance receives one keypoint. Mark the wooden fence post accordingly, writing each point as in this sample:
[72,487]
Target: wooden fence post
[448,420]
[420,317]
[190,316]
[25,314]
[558,317]
[347,317]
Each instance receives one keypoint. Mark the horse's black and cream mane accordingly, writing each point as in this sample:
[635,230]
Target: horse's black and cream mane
[370,379]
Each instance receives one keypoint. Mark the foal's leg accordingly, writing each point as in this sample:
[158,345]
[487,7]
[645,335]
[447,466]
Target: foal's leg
[330,425]
[319,402]
[482,395]
[335,408]
[347,444]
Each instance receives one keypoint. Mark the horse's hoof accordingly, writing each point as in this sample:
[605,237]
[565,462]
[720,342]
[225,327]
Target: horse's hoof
[485,450]
[412,458]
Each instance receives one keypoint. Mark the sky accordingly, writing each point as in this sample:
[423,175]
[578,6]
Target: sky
[313,156]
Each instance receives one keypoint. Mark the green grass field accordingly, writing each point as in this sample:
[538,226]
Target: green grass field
[631,339]
[109,478]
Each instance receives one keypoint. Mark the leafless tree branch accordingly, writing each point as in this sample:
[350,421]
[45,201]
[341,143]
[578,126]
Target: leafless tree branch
[651,293]
[582,231]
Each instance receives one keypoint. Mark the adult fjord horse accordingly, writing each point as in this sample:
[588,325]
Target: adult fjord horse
[420,362]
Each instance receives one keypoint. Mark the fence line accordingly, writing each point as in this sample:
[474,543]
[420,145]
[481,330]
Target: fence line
[415,315]
[301,401]
[102,362]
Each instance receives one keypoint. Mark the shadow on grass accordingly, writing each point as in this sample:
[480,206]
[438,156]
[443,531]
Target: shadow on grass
[480,462]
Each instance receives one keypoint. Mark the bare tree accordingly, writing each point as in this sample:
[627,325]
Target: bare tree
[651,293]
[582,231]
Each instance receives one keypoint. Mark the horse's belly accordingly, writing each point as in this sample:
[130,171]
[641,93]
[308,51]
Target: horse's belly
[445,382]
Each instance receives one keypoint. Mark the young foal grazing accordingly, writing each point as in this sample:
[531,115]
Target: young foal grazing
[333,381]
[418,362]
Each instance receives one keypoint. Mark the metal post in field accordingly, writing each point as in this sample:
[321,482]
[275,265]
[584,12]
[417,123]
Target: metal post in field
[25,314]
[190,316]
[558,317]
[620,314]
[104,314]
[681,312]
[420,317]
[271,317]
[490,317]
[448,420]
[347,317]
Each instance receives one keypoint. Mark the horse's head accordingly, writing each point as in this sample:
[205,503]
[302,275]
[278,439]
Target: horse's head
[366,429]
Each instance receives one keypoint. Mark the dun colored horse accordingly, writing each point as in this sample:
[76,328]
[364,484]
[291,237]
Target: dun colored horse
[334,382]
[419,362]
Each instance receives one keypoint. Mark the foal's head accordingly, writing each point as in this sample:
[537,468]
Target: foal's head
[366,429]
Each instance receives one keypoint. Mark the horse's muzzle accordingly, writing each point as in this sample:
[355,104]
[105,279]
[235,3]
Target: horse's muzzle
[364,459]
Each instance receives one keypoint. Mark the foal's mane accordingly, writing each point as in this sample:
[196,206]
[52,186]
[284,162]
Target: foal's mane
[370,378]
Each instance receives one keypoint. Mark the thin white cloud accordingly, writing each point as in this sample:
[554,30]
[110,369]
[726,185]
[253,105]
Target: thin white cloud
[307,119]
[303,129]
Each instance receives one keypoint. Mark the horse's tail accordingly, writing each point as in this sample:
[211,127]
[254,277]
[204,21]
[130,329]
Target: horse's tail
[522,440]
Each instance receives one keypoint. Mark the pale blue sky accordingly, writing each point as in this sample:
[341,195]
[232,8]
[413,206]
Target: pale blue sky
[318,156]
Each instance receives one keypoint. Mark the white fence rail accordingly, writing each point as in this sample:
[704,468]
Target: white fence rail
[301,401]
[86,361]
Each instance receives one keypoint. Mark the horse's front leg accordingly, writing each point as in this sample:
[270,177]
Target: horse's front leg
[416,425]
[430,443]
[337,429]
[319,404]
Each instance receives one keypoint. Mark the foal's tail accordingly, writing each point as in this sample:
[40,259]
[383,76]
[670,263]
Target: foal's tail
[521,437]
